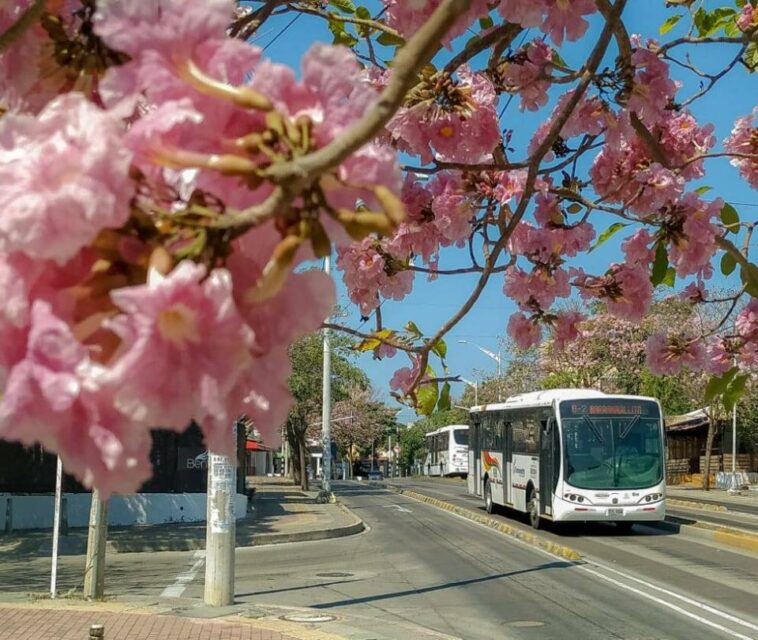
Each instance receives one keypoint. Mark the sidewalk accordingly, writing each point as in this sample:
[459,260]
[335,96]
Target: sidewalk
[747,502]
[279,513]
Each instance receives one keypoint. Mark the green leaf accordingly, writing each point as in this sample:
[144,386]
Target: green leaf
[735,391]
[486,23]
[728,264]
[608,233]
[701,190]
[472,41]
[669,24]
[574,208]
[426,398]
[749,277]
[346,6]
[730,217]
[390,40]
[363,14]
[660,265]
[444,402]
[411,327]
[669,279]
[718,384]
[337,27]
[751,56]
[440,348]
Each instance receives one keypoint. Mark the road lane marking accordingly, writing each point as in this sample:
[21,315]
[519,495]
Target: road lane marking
[692,602]
[665,603]
[398,507]
[186,577]
[674,594]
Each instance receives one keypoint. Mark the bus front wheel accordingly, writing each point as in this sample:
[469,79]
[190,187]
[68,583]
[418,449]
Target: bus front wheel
[488,504]
[533,507]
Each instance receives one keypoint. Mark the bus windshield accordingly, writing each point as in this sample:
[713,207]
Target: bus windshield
[612,444]
[460,436]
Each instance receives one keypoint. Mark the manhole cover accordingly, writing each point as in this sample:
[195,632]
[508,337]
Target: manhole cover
[334,574]
[308,617]
[525,624]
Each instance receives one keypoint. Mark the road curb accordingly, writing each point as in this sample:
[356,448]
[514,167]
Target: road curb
[262,539]
[502,527]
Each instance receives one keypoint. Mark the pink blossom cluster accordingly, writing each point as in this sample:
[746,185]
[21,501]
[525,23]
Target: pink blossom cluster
[744,141]
[693,248]
[105,334]
[653,89]
[525,73]
[558,18]
[748,18]
[626,172]
[459,127]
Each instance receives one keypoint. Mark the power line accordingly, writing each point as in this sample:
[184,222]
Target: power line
[278,35]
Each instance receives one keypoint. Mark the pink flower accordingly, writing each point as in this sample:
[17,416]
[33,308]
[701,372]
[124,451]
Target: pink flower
[185,346]
[408,15]
[637,248]
[744,140]
[53,397]
[566,328]
[64,176]
[525,332]
[537,289]
[719,359]
[133,26]
[404,378]
[747,322]
[461,126]
[694,292]
[653,90]
[748,18]
[667,354]
[564,18]
[451,207]
[626,290]
[523,73]
[692,251]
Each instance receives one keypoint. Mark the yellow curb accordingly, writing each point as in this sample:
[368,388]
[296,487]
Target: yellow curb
[502,527]
[742,541]
[690,504]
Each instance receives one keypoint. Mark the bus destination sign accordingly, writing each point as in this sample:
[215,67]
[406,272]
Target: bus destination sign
[595,408]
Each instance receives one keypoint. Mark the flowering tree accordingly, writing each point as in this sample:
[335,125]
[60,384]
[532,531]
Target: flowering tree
[161,182]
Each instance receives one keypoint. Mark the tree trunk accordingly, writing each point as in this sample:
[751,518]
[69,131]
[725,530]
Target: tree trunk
[303,463]
[708,446]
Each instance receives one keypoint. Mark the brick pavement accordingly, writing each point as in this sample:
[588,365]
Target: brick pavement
[48,624]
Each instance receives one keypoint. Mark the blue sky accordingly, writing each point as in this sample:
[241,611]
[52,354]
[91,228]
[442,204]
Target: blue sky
[431,303]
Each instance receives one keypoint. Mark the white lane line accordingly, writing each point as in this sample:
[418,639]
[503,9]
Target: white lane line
[186,577]
[669,605]
[686,599]
[398,507]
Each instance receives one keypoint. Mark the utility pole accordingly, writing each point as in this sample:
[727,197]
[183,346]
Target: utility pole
[220,532]
[56,526]
[94,571]
[734,488]
[325,495]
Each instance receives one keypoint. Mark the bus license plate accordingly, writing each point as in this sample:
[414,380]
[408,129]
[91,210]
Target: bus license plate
[615,511]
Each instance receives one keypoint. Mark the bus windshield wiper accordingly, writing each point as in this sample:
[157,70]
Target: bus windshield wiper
[597,433]
[629,427]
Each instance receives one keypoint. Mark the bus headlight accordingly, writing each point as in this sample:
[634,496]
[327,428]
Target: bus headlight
[575,497]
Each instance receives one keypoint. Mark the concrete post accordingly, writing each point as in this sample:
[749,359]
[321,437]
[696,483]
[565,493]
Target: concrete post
[56,526]
[220,532]
[94,571]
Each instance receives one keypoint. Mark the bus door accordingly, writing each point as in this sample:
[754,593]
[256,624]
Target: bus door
[474,460]
[507,460]
[548,462]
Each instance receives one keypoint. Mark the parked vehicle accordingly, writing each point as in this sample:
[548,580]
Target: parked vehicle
[447,451]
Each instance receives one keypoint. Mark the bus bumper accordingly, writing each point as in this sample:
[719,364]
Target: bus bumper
[565,511]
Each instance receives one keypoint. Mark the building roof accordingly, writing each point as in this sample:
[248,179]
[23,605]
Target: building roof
[687,421]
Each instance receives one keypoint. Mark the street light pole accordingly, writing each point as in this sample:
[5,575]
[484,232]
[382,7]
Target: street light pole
[475,385]
[496,357]
[326,412]
[734,486]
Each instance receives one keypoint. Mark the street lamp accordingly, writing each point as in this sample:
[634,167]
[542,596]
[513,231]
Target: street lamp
[734,485]
[475,385]
[490,354]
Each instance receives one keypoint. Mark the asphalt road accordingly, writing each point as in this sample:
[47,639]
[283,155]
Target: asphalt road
[421,565]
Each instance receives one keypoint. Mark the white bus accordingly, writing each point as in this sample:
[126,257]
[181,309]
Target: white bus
[447,451]
[570,455]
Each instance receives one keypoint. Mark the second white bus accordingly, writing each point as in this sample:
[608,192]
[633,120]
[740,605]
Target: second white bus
[447,451]
[570,455]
